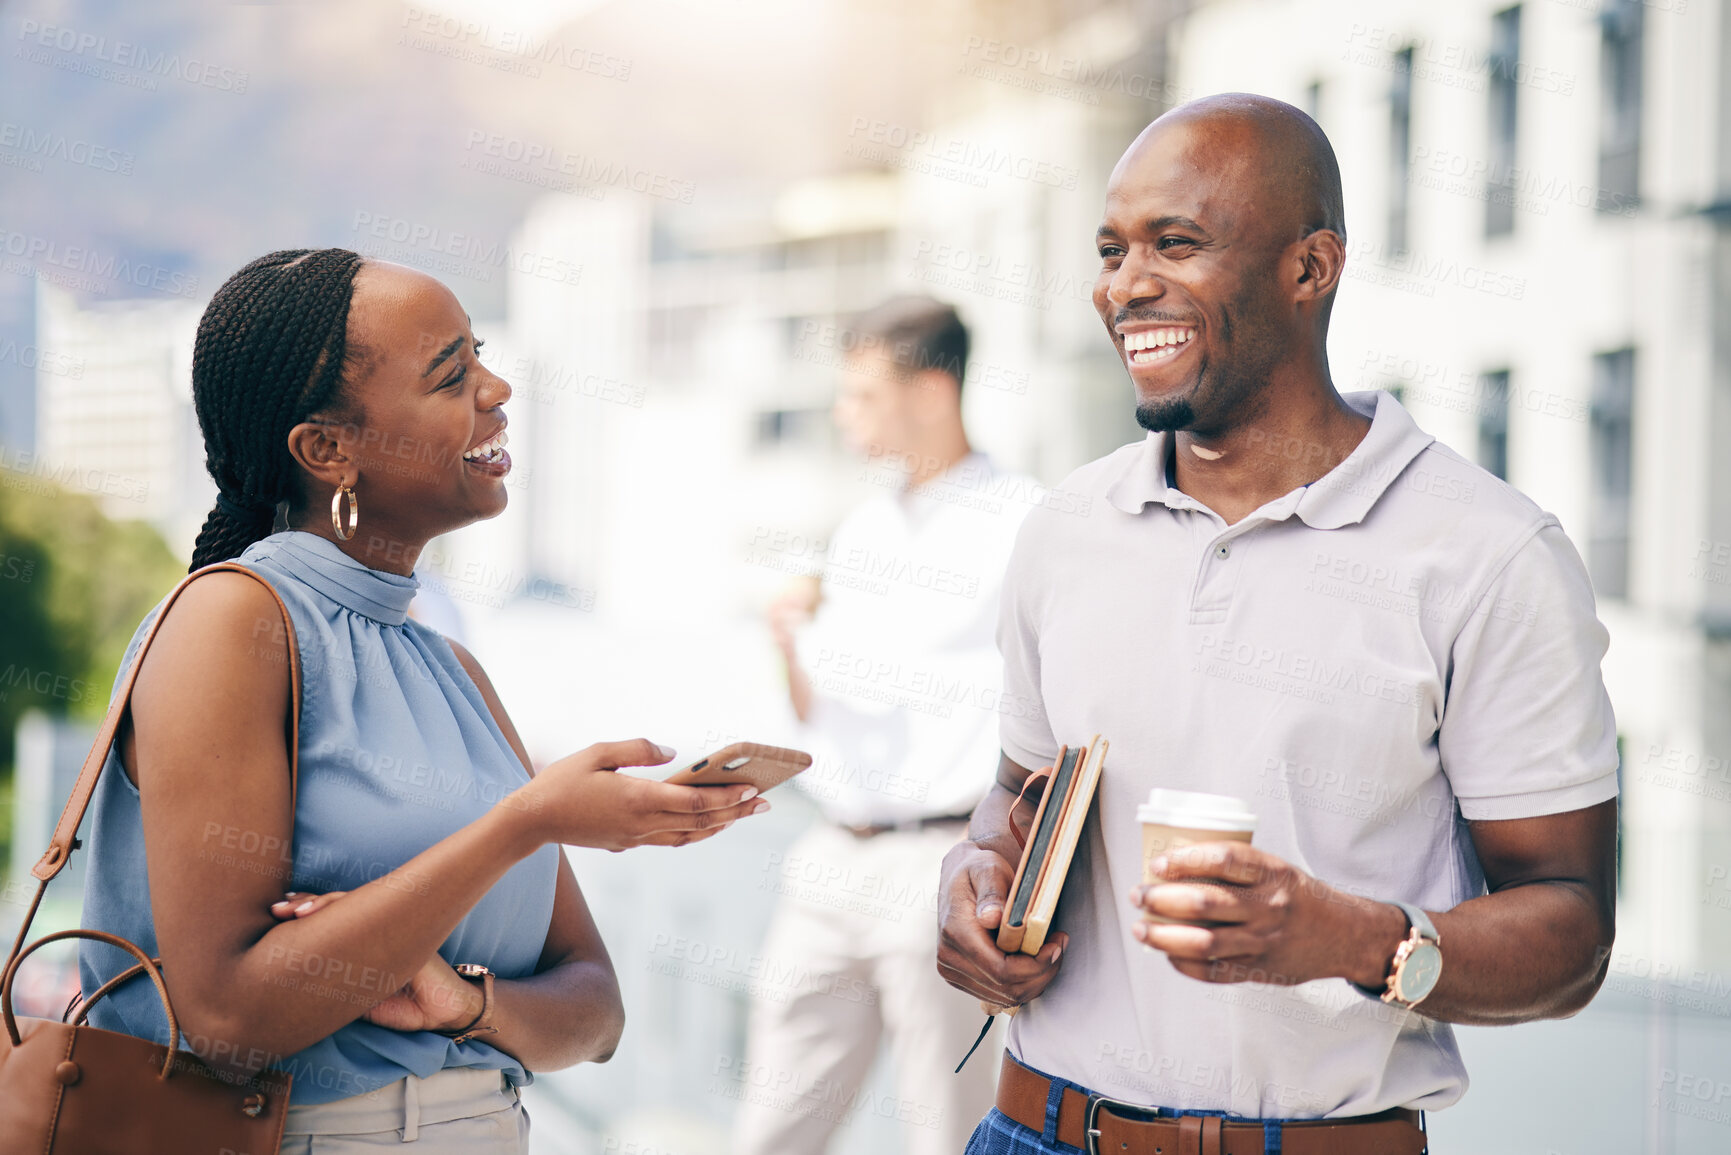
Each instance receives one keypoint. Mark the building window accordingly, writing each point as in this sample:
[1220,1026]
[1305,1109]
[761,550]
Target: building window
[1494,422]
[1620,25]
[1399,150]
[1613,443]
[1504,63]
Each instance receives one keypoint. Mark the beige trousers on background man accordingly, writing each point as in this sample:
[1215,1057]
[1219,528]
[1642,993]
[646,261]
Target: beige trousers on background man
[459,1111]
[851,957]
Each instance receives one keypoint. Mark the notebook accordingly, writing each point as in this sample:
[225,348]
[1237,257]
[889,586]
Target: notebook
[1058,823]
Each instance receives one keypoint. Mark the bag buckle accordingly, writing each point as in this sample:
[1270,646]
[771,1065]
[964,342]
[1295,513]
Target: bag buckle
[1091,1133]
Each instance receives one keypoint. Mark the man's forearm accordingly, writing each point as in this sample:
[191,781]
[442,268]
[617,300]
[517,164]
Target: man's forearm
[1539,944]
[990,827]
[1528,952]
[1536,947]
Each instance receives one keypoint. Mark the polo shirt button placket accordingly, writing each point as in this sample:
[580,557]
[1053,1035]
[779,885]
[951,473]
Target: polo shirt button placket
[1214,585]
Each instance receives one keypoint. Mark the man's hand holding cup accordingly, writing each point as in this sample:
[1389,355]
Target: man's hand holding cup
[1224,911]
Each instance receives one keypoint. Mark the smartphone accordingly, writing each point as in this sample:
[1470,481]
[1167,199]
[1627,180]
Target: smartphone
[744,764]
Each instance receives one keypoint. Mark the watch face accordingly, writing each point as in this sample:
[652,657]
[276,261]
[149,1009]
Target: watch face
[1419,975]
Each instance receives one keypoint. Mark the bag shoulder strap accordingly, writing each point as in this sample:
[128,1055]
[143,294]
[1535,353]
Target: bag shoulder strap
[59,851]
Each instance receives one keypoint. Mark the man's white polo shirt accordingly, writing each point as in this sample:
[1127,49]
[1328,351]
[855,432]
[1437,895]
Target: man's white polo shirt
[1405,643]
[905,676]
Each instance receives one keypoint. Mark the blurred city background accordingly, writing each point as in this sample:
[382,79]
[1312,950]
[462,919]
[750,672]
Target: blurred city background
[656,213]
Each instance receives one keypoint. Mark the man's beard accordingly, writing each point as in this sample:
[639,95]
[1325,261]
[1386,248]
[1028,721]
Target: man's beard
[1166,416]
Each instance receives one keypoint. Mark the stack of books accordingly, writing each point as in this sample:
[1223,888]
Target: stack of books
[1051,844]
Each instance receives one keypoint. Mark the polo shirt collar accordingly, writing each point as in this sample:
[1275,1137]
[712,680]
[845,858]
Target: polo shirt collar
[1339,498]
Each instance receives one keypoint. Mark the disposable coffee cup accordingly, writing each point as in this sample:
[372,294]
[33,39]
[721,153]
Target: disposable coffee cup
[1172,819]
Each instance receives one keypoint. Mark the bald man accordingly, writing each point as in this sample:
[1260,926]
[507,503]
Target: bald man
[1301,601]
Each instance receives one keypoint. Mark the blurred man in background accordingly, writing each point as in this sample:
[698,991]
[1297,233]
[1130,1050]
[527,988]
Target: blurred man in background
[896,680]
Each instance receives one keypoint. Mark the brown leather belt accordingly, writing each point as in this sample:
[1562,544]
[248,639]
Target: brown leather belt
[905,826]
[1098,1124]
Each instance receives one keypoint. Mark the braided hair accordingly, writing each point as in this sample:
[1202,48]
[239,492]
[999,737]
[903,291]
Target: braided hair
[272,349]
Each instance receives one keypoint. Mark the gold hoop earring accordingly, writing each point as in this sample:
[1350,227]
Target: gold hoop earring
[336,512]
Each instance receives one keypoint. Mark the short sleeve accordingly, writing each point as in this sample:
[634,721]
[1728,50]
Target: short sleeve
[1527,727]
[1024,732]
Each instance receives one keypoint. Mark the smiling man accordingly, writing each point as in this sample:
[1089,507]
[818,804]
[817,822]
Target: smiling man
[1299,599]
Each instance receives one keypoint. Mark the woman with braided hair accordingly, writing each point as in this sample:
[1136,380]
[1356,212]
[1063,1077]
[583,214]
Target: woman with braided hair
[404,936]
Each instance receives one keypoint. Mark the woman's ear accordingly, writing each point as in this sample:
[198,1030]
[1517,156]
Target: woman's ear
[322,448]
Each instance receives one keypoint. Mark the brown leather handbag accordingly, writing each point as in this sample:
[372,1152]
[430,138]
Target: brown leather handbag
[71,1089]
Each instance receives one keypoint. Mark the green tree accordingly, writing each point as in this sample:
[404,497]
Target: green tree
[73,587]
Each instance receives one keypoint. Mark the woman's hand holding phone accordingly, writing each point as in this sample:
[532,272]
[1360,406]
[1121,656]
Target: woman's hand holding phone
[580,801]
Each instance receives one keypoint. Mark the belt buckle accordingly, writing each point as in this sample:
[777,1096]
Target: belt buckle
[1091,1133]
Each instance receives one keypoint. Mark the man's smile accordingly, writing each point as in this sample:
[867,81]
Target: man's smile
[1156,345]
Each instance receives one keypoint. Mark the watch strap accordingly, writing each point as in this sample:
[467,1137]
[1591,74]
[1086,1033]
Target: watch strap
[1418,920]
[1420,930]
[483,1023]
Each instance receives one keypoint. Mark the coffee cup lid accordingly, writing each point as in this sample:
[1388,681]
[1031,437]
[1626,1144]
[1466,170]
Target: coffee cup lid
[1184,808]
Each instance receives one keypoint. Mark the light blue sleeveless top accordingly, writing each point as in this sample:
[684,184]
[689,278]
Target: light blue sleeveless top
[397,751]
